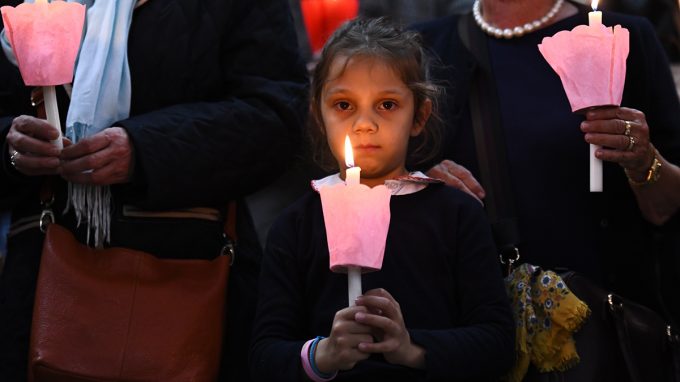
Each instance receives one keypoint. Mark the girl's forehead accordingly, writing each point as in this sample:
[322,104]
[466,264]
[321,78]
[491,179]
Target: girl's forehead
[346,66]
[342,64]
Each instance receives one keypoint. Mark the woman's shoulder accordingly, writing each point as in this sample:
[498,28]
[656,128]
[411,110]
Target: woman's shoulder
[438,30]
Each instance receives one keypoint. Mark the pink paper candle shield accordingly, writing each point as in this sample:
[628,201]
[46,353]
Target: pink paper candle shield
[357,219]
[591,63]
[45,39]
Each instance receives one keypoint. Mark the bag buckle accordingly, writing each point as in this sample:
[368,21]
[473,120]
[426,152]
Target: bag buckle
[509,255]
[673,335]
[229,249]
[47,216]
[615,302]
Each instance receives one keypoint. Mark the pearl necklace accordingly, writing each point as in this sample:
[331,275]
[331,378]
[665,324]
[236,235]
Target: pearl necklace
[518,30]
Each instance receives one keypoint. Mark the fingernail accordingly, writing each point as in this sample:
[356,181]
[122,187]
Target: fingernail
[359,316]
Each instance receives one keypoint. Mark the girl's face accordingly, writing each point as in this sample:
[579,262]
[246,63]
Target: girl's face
[367,100]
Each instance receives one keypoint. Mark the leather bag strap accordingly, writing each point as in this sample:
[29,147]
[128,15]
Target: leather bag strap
[490,143]
[47,216]
[617,311]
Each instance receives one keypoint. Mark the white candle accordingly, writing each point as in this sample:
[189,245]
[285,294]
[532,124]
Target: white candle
[52,111]
[352,177]
[50,99]
[594,17]
[595,171]
[595,20]
[353,284]
[352,174]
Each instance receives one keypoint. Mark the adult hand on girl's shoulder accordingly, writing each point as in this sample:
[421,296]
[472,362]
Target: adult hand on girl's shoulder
[394,341]
[340,350]
[458,177]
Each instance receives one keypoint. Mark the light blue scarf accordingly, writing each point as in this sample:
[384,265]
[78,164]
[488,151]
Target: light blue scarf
[101,96]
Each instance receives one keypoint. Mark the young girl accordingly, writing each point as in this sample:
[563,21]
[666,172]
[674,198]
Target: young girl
[437,309]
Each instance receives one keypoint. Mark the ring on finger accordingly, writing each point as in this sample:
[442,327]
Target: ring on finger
[631,143]
[13,159]
[627,131]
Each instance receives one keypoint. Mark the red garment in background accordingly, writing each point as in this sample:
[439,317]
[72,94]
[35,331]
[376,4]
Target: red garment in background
[322,17]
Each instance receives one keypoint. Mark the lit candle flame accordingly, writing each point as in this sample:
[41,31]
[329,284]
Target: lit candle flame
[349,155]
[41,1]
[594,3]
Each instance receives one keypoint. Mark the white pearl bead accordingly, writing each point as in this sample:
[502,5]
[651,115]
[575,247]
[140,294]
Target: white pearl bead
[516,31]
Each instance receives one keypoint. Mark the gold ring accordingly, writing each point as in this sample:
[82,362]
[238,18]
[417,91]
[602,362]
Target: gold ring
[13,159]
[627,131]
[631,143]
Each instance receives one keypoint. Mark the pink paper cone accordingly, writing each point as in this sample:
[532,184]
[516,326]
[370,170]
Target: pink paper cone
[45,39]
[357,219]
[591,62]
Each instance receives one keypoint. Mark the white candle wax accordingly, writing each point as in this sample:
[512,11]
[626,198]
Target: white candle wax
[594,17]
[52,111]
[352,178]
[595,20]
[353,284]
[595,171]
[352,174]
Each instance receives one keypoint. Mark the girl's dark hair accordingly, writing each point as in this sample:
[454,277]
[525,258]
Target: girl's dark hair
[403,51]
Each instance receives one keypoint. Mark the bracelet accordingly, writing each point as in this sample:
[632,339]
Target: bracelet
[308,363]
[653,174]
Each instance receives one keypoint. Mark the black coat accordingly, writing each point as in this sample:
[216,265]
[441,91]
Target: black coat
[218,103]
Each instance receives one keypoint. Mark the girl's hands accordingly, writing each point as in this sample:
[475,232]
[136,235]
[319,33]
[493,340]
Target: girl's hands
[340,351]
[383,314]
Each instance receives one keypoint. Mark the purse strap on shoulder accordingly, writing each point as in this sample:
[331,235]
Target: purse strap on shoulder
[490,144]
[230,221]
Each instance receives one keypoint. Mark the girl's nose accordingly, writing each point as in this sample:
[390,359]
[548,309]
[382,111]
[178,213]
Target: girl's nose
[364,123]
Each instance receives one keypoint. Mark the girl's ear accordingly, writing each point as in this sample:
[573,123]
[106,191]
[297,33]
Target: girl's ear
[422,115]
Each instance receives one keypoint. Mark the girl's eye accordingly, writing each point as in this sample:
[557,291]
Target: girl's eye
[342,105]
[388,105]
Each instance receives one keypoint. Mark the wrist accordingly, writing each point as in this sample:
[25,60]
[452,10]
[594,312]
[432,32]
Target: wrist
[648,175]
[414,356]
[309,357]
[322,361]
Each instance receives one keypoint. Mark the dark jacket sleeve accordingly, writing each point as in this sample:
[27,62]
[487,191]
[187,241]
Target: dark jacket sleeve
[279,322]
[652,89]
[228,144]
[482,344]
[14,101]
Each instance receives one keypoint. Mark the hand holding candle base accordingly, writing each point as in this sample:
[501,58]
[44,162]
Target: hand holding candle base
[591,63]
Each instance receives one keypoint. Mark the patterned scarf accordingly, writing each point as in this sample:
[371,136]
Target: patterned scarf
[547,314]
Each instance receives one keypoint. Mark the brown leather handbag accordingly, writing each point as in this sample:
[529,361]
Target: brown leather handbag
[121,315]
